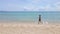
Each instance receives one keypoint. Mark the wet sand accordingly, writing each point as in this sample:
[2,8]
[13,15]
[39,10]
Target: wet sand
[16,28]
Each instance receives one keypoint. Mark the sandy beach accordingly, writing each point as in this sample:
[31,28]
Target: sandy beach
[14,28]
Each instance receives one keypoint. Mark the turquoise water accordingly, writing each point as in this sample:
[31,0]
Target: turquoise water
[30,16]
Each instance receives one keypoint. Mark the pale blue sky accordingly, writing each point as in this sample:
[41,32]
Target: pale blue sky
[30,5]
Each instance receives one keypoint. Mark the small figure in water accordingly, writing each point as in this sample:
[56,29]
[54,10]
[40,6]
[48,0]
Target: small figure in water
[39,19]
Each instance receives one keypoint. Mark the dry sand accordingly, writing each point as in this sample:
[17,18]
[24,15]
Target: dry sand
[11,28]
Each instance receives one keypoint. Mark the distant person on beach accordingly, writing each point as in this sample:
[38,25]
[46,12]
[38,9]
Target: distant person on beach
[39,19]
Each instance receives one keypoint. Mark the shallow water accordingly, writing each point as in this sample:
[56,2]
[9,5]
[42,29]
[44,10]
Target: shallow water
[29,16]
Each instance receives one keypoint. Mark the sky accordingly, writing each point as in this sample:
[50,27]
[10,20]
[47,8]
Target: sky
[29,5]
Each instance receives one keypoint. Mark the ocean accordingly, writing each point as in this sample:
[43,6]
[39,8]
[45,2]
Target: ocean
[29,16]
